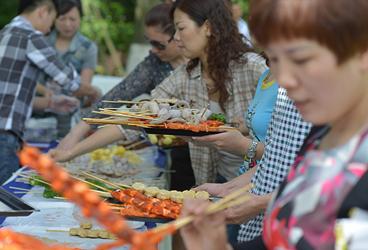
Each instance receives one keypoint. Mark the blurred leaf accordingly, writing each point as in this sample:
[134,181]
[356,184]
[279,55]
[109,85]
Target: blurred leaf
[8,10]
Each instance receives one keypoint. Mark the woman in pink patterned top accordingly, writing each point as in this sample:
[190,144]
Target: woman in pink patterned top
[318,51]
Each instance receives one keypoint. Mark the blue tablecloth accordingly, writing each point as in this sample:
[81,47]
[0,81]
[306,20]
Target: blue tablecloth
[12,182]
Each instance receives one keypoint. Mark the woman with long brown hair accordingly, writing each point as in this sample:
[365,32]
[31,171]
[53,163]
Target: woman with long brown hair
[222,73]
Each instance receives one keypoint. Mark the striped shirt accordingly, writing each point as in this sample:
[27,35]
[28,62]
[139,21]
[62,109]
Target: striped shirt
[24,54]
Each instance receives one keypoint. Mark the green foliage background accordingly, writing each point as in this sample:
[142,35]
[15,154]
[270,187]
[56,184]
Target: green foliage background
[8,9]
[122,20]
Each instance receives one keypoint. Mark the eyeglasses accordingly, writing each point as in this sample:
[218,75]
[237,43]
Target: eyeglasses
[158,45]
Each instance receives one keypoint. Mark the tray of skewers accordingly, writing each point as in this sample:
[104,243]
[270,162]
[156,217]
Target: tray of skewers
[161,116]
[136,202]
[151,204]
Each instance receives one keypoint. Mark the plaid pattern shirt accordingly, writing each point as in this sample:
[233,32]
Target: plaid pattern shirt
[24,53]
[189,87]
[285,136]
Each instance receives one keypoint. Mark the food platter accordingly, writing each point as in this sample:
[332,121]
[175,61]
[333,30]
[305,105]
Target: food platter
[159,117]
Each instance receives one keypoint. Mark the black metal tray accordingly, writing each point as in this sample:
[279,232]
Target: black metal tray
[179,132]
[146,219]
[17,206]
[169,131]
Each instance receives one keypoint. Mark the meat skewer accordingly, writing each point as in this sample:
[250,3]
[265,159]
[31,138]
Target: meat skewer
[148,205]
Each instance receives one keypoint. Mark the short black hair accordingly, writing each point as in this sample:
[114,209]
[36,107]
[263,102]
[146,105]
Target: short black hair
[26,6]
[159,15]
[64,6]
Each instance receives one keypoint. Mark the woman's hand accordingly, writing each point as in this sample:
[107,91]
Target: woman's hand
[214,189]
[231,141]
[74,136]
[248,210]
[206,231]
[60,155]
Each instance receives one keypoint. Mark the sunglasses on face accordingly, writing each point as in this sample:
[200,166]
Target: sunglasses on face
[158,45]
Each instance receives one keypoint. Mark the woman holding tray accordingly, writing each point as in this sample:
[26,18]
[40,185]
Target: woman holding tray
[323,202]
[222,74]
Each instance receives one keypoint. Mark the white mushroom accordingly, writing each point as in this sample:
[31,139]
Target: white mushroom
[163,111]
[182,104]
[175,113]
[145,106]
[164,106]
[153,107]
[186,114]
[179,120]
[161,119]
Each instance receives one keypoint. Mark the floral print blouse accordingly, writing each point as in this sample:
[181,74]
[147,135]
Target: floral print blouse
[322,188]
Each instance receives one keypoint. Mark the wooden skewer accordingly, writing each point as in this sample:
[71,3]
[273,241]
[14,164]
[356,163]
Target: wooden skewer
[59,198]
[20,189]
[30,177]
[56,231]
[130,146]
[159,100]
[124,114]
[105,181]
[103,194]
[121,101]
[227,202]
[111,122]
[28,192]
[93,184]
[146,112]
[204,111]
[233,195]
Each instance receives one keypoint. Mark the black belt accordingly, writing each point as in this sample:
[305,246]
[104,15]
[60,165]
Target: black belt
[10,132]
[6,132]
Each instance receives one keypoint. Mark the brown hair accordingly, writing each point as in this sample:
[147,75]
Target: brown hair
[225,43]
[340,25]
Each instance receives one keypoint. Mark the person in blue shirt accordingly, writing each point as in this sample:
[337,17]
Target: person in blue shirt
[257,119]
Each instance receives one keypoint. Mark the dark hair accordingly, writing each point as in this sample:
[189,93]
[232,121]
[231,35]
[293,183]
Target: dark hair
[340,25]
[64,6]
[159,15]
[225,43]
[27,6]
